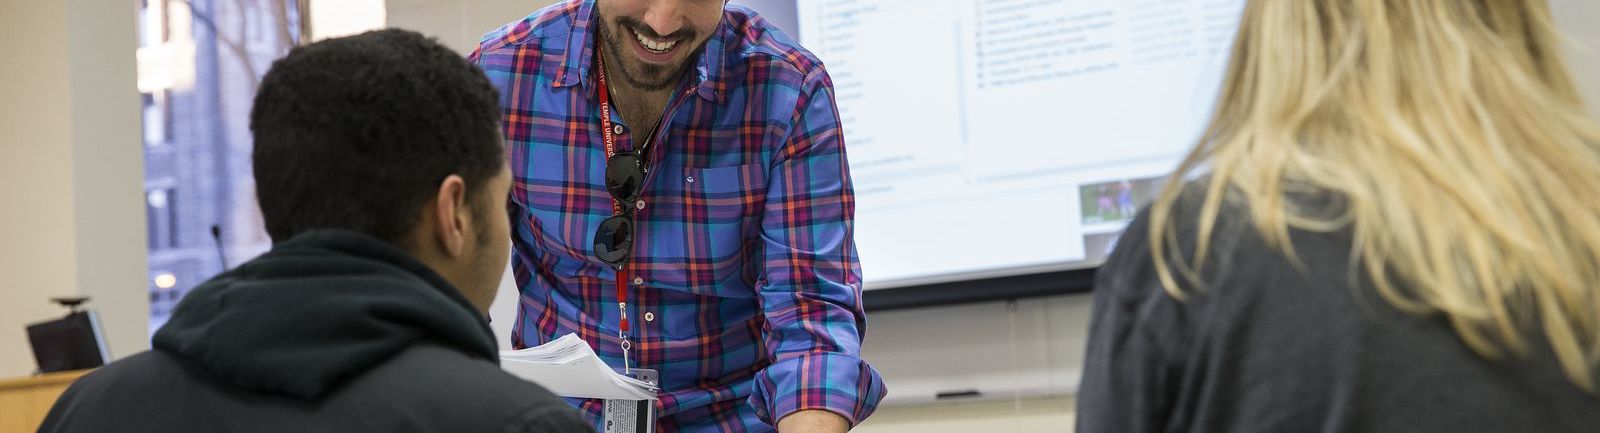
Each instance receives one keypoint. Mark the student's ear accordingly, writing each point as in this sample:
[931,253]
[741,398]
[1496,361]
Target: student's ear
[450,216]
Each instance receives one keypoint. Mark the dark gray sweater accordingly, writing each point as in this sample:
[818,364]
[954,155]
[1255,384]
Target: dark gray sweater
[1266,347]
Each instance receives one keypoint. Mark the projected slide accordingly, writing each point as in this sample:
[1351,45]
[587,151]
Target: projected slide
[993,137]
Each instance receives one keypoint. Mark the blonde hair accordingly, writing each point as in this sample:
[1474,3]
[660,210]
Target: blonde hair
[1450,131]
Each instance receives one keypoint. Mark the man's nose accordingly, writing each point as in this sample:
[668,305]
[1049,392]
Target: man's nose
[664,17]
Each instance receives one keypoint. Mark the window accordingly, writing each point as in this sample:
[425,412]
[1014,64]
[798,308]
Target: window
[157,117]
[161,219]
[199,64]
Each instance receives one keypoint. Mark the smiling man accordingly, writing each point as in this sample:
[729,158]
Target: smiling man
[681,201]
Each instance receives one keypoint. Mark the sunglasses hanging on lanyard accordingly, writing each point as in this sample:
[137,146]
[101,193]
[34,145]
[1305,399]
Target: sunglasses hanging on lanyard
[613,244]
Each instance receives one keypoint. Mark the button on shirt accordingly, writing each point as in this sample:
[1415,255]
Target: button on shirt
[744,254]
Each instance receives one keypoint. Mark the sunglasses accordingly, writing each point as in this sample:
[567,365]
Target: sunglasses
[613,240]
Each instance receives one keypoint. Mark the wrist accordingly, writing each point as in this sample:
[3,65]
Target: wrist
[813,421]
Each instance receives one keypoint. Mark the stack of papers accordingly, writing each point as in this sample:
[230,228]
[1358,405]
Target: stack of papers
[568,367]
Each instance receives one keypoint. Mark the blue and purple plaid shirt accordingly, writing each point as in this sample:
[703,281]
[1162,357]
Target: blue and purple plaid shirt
[748,296]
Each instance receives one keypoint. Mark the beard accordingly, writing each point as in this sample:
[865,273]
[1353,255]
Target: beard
[640,75]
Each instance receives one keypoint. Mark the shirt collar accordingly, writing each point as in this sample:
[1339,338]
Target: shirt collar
[708,73]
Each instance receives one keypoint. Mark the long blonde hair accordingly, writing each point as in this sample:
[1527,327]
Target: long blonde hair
[1465,161]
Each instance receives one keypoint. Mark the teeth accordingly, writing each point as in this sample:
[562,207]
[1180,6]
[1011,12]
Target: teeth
[654,45]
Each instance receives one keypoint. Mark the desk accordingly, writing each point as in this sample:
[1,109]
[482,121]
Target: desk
[25,401]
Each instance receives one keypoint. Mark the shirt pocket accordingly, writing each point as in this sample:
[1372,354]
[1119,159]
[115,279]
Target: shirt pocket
[729,193]
[722,207]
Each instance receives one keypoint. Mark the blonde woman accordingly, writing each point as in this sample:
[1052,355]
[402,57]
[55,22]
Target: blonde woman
[1391,225]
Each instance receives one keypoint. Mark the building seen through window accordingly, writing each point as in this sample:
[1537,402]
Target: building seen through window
[199,64]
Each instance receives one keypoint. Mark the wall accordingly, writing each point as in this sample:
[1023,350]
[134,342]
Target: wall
[458,23]
[107,172]
[1024,360]
[1578,19]
[73,222]
[37,262]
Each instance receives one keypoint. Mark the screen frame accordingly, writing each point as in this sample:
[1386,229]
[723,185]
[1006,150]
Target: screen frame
[1033,285]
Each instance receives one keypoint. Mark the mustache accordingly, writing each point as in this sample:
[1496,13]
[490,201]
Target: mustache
[644,30]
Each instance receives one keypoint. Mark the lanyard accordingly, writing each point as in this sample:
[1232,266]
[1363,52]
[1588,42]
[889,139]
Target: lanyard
[608,133]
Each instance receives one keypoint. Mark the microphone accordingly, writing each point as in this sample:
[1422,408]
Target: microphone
[216,235]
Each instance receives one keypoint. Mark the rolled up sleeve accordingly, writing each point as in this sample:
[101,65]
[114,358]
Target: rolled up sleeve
[810,290]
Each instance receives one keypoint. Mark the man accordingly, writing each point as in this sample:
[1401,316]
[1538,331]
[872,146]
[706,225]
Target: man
[682,203]
[379,169]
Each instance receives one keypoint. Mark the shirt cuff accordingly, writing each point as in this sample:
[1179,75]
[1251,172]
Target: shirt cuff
[831,381]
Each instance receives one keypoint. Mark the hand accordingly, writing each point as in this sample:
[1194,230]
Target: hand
[813,421]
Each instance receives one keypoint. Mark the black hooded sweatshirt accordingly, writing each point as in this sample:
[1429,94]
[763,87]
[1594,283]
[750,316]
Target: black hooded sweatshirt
[331,331]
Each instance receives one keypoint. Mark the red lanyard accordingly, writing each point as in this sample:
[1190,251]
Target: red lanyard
[608,132]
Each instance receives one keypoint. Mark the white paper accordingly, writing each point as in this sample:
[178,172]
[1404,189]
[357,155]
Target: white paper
[568,367]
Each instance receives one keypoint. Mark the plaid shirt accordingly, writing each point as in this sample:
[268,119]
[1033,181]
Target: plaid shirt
[748,296]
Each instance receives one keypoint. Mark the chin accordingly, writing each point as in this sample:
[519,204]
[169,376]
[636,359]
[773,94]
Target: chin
[656,76]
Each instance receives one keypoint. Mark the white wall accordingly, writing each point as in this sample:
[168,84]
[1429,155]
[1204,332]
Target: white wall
[70,172]
[459,23]
[36,263]
[1025,360]
[335,18]
[1580,19]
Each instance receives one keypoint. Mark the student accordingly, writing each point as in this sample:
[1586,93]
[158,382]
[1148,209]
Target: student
[381,176]
[1392,226]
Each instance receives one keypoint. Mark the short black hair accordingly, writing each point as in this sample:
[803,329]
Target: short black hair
[357,133]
